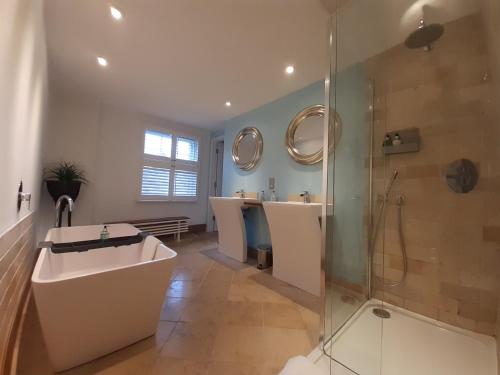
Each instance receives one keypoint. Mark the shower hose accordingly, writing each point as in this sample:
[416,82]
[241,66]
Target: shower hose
[399,204]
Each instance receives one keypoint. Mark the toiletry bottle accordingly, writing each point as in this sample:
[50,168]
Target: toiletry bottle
[273,196]
[387,140]
[397,140]
[105,233]
[262,196]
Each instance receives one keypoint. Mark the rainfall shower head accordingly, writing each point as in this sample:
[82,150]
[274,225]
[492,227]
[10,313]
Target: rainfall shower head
[424,36]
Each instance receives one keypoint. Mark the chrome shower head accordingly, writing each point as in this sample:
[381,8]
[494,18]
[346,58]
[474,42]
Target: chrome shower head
[424,36]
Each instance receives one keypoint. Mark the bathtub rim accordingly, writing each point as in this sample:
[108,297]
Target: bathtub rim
[36,279]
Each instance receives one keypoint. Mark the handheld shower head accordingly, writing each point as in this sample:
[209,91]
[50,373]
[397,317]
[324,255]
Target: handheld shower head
[395,174]
[388,189]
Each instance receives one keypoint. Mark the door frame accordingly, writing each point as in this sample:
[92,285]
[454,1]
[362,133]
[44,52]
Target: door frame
[212,179]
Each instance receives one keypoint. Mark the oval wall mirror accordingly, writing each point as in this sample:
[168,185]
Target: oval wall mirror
[247,148]
[304,136]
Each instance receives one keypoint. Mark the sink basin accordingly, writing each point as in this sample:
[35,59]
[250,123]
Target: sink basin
[231,226]
[296,240]
[245,200]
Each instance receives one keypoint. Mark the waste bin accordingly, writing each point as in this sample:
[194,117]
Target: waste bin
[264,256]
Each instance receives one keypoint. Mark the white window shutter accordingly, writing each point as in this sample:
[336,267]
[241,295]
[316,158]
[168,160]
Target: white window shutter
[185,184]
[155,182]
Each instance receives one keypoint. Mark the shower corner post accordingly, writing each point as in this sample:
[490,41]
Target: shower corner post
[324,336]
[371,134]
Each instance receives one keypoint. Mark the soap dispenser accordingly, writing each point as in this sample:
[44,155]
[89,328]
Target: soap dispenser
[104,233]
[387,140]
[397,140]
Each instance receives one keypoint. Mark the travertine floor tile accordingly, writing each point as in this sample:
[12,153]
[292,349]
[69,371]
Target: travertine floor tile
[280,344]
[172,308]
[236,343]
[203,310]
[240,368]
[282,316]
[214,290]
[183,289]
[193,260]
[163,332]
[193,341]
[176,366]
[189,273]
[233,368]
[245,292]
[243,313]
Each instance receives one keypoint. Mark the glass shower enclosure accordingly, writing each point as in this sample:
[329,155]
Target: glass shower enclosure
[412,214]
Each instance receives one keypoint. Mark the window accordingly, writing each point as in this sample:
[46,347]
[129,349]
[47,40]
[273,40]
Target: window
[165,177]
[157,144]
[187,149]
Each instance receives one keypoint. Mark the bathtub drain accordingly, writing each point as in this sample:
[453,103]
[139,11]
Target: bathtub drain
[381,313]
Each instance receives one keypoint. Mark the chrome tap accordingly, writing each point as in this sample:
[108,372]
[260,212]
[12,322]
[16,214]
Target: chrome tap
[241,192]
[59,202]
[306,196]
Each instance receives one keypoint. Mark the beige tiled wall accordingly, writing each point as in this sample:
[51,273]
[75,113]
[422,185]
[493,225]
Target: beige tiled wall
[453,240]
[16,260]
[490,12]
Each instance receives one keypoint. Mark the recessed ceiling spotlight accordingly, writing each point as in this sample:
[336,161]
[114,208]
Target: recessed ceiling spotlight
[289,69]
[102,61]
[228,104]
[115,13]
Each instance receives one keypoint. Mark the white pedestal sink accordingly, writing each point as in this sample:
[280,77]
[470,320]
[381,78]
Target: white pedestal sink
[231,226]
[296,240]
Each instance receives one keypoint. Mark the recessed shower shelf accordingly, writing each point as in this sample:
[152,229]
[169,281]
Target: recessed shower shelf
[410,139]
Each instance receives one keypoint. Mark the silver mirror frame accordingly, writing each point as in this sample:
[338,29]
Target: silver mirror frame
[258,148]
[316,157]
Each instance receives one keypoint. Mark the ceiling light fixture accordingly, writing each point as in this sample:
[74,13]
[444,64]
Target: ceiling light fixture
[102,61]
[115,13]
[289,69]
[228,104]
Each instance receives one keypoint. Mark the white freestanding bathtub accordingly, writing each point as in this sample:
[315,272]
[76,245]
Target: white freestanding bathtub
[95,302]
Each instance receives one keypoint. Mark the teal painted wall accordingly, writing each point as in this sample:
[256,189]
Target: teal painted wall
[351,178]
[272,120]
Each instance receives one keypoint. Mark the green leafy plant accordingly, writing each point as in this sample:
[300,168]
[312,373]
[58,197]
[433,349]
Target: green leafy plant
[65,172]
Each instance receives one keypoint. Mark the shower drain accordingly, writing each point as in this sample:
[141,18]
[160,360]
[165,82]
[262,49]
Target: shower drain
[381,313]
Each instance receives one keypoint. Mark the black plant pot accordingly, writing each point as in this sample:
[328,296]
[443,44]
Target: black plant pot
[58,188]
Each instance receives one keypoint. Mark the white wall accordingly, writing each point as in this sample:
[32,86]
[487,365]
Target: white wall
[23,87]
[107,142]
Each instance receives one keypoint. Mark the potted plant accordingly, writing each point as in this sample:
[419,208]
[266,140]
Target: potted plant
[64,178]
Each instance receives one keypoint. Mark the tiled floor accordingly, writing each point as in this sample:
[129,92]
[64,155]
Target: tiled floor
[216,319]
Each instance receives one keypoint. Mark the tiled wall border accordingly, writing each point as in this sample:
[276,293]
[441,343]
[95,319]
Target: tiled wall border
[16,265]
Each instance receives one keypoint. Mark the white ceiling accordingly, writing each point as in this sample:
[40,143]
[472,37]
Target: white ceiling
[182,59]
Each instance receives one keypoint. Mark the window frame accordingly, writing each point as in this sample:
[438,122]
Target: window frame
[170,163]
